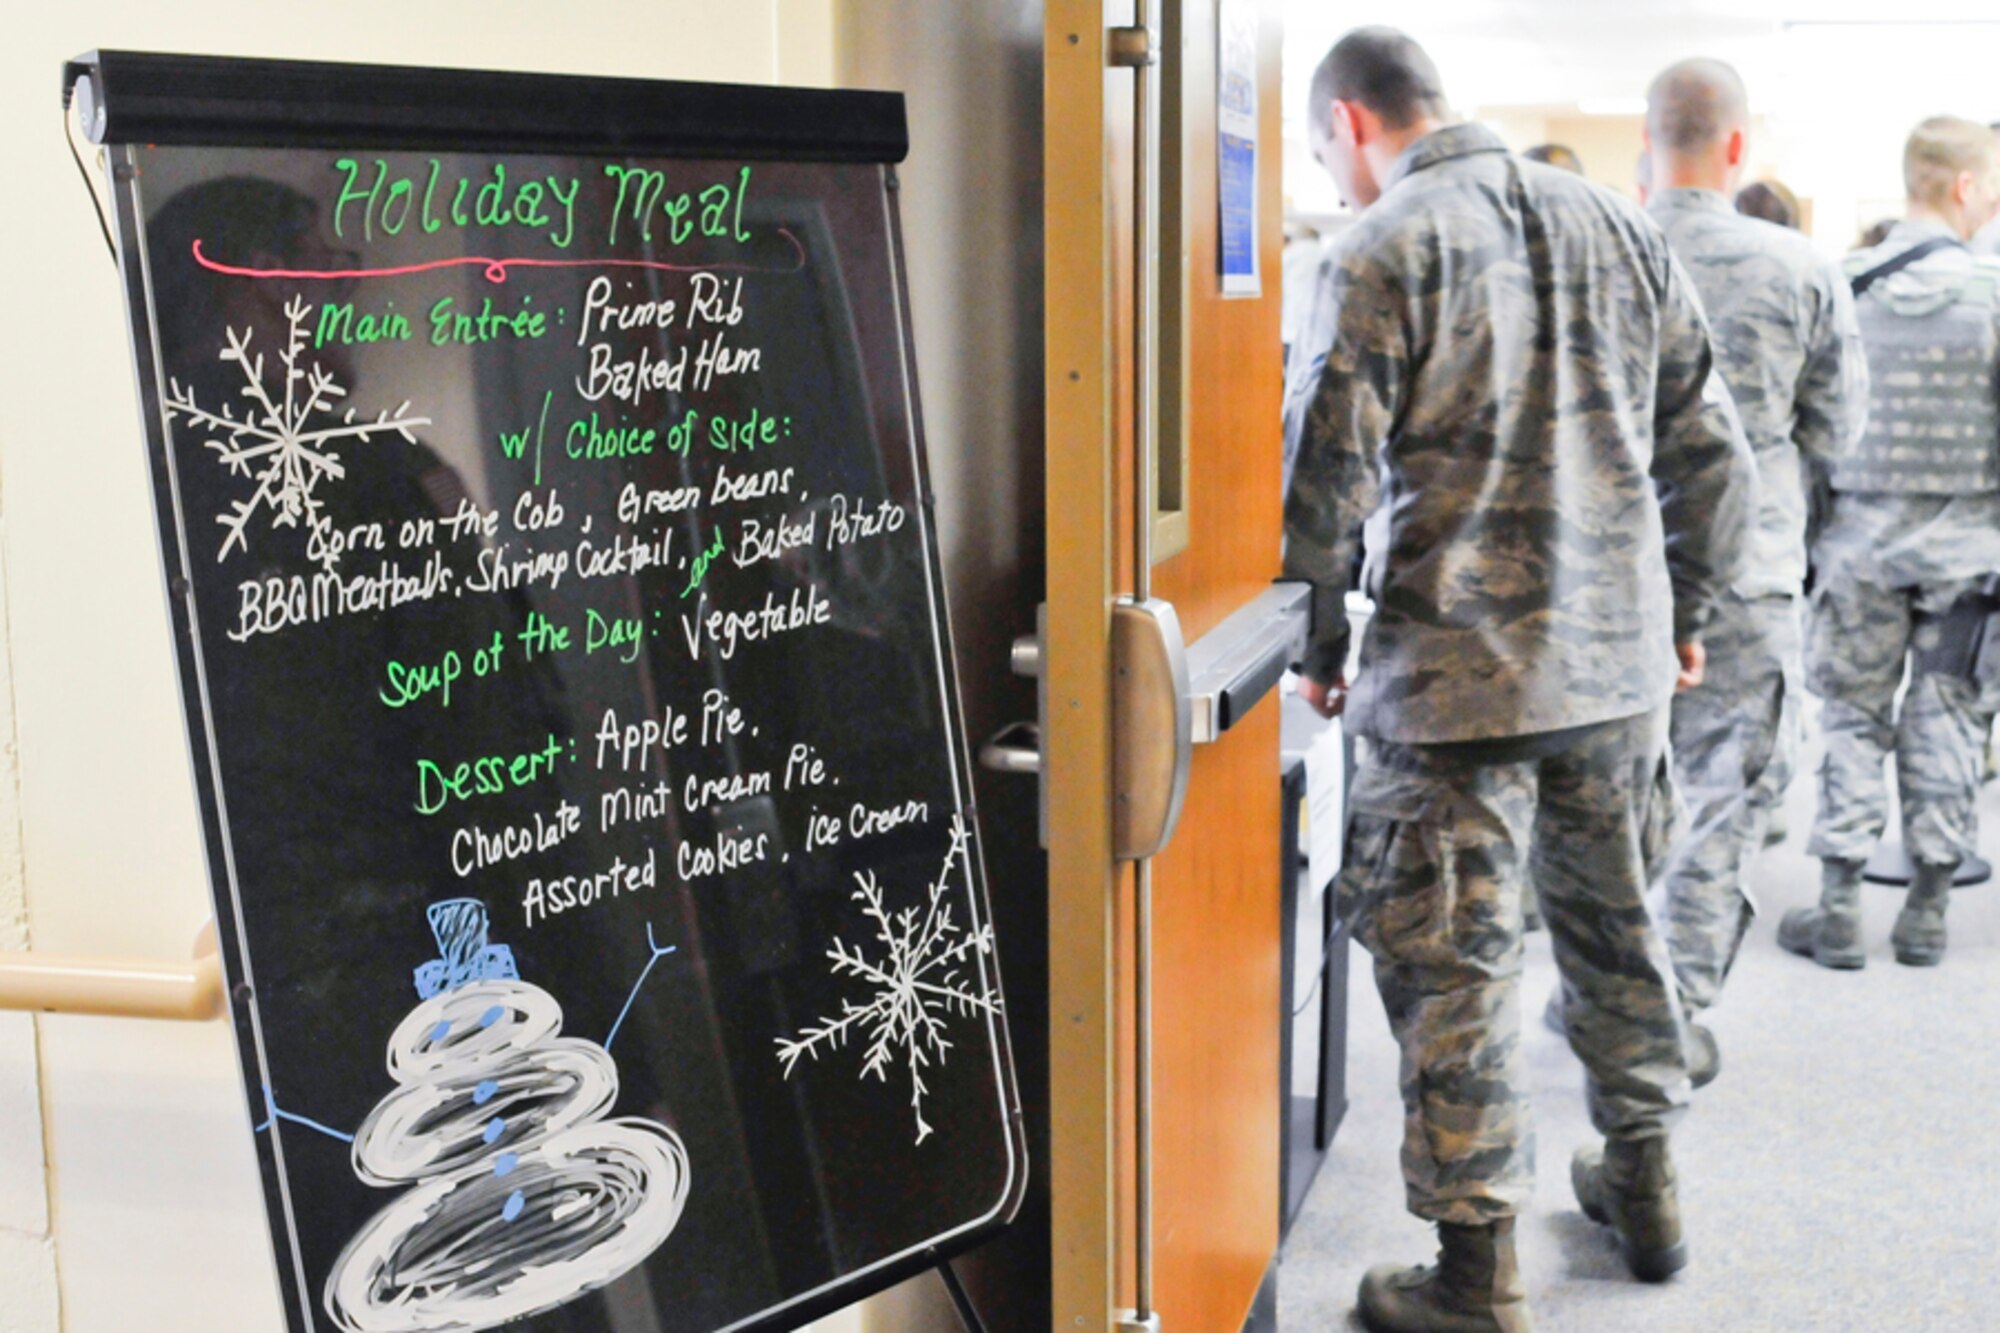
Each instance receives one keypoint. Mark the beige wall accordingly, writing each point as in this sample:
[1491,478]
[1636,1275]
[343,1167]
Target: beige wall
[972,220]
[27,1246]
[1610,145]
[151,1194]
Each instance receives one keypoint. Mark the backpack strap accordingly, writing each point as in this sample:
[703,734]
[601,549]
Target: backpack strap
[1902,261]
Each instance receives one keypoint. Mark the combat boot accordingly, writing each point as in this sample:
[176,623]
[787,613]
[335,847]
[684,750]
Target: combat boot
[1919,934]
[1704,1055]
[1628,1185]
[1829,934]
[1475,1287]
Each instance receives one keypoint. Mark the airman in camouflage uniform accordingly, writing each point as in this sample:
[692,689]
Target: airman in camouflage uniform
[1518,370]
[1787,342]
[1913,535]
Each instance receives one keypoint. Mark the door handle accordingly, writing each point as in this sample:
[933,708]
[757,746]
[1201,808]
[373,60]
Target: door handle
[1152,726]
[1017,747]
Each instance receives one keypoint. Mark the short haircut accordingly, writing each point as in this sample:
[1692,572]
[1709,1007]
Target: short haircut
[1556,155]
[1939,149]
[1695,103]
[1772,201]
[1385,71]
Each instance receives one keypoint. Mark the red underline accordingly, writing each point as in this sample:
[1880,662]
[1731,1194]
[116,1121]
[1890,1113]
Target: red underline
[496,269]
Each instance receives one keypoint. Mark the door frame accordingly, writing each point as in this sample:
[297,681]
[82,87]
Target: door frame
[1078,289]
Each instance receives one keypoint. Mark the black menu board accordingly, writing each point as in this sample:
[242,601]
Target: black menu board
[543,509]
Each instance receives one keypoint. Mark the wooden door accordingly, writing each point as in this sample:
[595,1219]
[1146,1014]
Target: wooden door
[1215,935]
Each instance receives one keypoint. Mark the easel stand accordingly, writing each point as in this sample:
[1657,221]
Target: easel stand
[967,1315]
[1890,867]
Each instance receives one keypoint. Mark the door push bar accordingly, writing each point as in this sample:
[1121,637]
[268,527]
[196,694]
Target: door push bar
[1168,697]
[1234,665]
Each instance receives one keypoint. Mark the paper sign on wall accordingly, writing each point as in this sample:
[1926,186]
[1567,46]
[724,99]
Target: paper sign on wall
[1236,146]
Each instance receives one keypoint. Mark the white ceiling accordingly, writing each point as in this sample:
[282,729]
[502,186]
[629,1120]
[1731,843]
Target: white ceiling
[1501,52]
[1838,82]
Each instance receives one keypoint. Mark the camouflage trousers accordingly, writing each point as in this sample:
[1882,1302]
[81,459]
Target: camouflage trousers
[1859,643]
[1735,746]
[1440,840]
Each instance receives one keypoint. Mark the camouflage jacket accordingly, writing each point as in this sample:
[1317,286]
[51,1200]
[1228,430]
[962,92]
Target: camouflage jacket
[1923,543]
[1788,343]
[1933,337]
[1519,371]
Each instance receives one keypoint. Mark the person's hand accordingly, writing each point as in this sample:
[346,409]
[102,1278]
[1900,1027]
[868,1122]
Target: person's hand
[1326,700]
[1694,665]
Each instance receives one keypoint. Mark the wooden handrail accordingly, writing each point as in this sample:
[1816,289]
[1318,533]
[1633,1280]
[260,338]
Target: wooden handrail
[118,987]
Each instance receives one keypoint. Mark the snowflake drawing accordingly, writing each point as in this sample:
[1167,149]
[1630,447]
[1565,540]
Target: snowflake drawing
[915,985]
[287,447]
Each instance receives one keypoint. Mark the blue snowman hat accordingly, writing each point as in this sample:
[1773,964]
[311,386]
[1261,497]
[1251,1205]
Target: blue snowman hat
[465,956]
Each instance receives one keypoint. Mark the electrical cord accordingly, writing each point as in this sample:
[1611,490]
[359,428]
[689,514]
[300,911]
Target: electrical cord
[1319,973]
[97,204]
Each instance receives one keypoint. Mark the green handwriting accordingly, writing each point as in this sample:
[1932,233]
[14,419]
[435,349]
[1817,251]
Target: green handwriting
[389,203]
[702,561]
[714,211]
[449,325]
[405,684]
[602,632]
[595,441]
[338,323]
[376,199]
[542,635]
[438,786]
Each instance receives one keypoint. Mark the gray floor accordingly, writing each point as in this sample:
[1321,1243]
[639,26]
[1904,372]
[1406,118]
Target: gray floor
[1843,1173]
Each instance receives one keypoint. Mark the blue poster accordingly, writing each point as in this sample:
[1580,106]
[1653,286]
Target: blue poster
[1236,146]
[1238,176]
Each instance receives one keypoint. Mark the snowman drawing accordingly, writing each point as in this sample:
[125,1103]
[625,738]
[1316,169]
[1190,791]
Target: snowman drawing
[520,1192]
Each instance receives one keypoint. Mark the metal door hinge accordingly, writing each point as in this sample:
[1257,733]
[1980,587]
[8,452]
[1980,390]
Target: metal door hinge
[1130,48]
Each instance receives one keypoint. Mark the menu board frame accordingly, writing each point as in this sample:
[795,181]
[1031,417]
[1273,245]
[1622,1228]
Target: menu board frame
[132,99]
